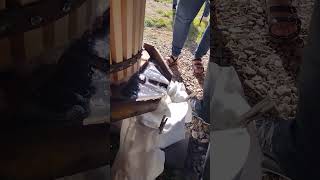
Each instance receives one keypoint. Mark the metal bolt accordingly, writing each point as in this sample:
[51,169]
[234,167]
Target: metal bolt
[36,20]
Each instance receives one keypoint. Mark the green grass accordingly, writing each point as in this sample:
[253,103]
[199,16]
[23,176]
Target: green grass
[165,18]
[163,1]
[167,14]
[158,22]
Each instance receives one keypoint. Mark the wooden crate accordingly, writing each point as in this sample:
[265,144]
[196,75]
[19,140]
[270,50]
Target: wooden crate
[126,29]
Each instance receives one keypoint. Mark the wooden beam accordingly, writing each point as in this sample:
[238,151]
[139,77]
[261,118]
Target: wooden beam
[159,60]
[126,109]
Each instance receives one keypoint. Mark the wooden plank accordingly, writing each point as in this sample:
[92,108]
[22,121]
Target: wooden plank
[143,11]
[82,17]
[61,27]
[126,109]
[127,27]
[116,35]
[33,43]
[136,25]
[25,2]
[5,53]
[155,55]
[2,4]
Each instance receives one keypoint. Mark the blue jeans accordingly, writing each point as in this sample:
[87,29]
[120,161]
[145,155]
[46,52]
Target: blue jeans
[174,2]
[186,12]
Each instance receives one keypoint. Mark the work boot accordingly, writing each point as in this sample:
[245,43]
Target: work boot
[274,139]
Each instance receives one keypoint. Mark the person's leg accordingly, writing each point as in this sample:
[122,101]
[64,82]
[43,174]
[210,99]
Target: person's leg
[206,10]
[186,12]
[204,44]
[174,4]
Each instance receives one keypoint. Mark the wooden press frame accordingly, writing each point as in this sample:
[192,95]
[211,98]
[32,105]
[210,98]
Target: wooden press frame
[126,30]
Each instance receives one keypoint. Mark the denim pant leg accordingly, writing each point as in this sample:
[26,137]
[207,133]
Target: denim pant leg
[187,10]
[174,2]
[206,10]
[204,44]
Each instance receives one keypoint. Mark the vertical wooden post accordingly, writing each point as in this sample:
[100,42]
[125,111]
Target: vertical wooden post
[116,35]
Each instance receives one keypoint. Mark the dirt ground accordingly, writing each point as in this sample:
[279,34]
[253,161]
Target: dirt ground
[265,68]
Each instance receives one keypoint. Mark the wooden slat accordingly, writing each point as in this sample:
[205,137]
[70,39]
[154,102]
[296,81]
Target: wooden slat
[116,35]
[89,17]
[48,36]
[82,17]
[5,53]
[127,26]
[61,31]
[142,21]
[33,43]
[136,24]
[73,24]
[25,2]
[2,4]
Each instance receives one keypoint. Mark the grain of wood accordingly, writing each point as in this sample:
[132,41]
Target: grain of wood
[5,53]
[61,31]
[116,36]
[33,43]
[2,4]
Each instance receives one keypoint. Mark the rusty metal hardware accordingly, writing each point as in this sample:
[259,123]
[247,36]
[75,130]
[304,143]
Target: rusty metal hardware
[126,63]
[163,123]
